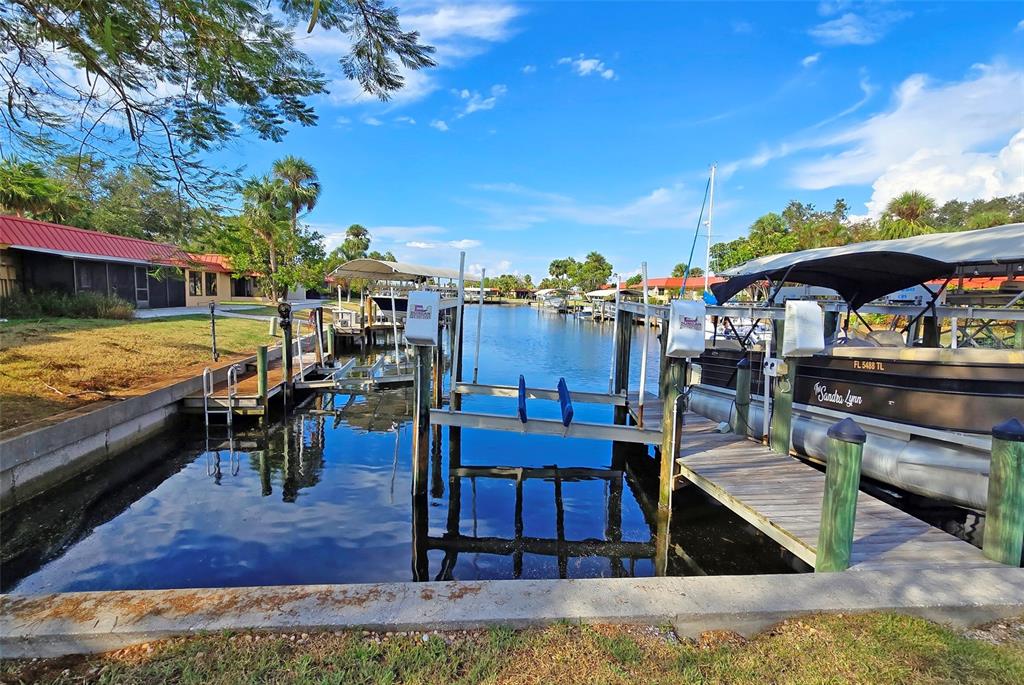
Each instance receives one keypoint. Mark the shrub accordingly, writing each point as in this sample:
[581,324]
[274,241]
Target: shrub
[56,304]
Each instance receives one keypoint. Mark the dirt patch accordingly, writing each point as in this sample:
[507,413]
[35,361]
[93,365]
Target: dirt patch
[999,632]
[713,639]
[427,594]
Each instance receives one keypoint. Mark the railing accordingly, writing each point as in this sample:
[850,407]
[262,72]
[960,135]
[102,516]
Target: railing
[208,392]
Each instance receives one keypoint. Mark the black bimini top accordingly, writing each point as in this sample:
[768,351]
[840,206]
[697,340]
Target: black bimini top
[862,272]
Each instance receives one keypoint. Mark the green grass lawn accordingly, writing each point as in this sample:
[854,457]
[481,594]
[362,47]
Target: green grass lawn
[870,648]
[51,365]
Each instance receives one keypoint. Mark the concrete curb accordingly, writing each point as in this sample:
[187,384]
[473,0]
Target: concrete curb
[53,625]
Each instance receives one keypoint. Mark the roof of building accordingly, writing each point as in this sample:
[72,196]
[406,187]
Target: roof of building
[42,236]
[70,241]
[211,261]
[692,283]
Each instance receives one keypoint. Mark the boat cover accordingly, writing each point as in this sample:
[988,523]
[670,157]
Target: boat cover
[862,272]
[380,270]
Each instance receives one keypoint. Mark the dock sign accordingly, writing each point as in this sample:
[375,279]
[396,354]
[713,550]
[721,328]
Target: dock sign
[686,328]
[421,320]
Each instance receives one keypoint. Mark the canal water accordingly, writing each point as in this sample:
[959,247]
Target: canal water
[323,496]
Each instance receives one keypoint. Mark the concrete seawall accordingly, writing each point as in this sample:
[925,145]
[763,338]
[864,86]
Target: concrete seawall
[53,625]
[39,457]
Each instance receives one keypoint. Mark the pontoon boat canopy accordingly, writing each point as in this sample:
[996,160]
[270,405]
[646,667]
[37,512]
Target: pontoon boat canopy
[379,270]
[861,272]
[609,293]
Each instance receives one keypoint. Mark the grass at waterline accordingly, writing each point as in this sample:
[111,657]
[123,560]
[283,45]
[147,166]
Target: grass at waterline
[868,648]
[51,365]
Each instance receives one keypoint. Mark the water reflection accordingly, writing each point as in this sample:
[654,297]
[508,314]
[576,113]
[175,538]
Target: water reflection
[324,497]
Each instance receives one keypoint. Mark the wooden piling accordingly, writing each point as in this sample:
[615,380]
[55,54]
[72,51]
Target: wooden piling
[437,375]
[621,374]
[740,422]
[457,351]
[421,419]
[261,376]
[839,504]
[673,384]
[318,334]
[1004,513]
[781,431]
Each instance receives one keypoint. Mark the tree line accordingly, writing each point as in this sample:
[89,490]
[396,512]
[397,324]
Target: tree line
[265,238]
[801,226]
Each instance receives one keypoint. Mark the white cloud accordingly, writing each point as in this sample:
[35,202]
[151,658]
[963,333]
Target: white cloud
[400,234]
[950,174]
[811,60]
[1020,25]
[943,120]
[372,121]
[475,102]
[854,29]
[334,234]
[665,207]
[742,27]
[463,244]
[342,121]
[405,120]
[585,66]
[490,22]
[867,90]
[458,32]
[959,139]
[439,124]
[529,69]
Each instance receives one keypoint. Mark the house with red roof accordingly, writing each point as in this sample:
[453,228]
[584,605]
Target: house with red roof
[661,290]
[42,256]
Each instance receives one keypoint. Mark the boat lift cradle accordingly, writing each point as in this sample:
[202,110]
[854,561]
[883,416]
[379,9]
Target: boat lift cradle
[565,427]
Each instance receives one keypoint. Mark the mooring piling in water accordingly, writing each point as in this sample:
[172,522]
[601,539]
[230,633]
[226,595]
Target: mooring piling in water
[673,387]
[839,503]
[262,370]
[623,341]
[1004,515]
[422,355]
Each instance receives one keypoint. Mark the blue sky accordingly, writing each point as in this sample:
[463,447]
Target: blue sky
[552,129]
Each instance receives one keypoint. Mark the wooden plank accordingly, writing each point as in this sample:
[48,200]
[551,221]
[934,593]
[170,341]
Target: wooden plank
[782,497]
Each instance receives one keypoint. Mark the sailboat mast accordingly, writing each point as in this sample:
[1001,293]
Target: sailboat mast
[711,212]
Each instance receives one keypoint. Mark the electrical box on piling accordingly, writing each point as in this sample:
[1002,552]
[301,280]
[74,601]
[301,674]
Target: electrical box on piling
[421,321]
[686,329]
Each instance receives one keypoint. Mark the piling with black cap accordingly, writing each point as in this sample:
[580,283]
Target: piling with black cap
[1004,514]
[741,418]
[839,505]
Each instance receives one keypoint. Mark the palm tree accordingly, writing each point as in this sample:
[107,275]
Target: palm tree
[264,201]
[906,215]
[912,206]
[301,182]
[26,190]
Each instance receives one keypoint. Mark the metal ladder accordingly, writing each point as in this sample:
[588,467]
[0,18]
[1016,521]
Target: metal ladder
[208,386]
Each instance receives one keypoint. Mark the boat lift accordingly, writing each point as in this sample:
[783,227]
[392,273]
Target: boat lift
[564,427]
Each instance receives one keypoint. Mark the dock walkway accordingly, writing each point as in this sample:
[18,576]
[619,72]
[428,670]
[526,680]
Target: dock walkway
[781,496]
[247,396]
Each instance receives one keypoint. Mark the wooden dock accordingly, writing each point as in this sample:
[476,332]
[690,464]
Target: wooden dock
[781,496]
[247,397]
